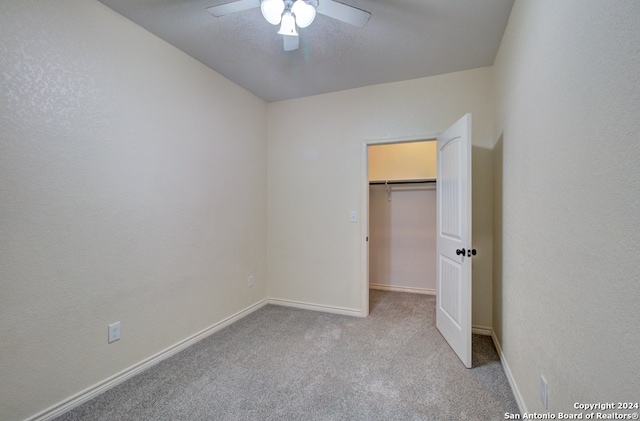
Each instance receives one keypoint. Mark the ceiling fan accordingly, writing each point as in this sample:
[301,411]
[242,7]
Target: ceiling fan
[291,13]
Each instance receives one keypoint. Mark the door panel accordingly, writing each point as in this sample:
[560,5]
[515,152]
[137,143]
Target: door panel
[450,289]
[453,302]
[450,153]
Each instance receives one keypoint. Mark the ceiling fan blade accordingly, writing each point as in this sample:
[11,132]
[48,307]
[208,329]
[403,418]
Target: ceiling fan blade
[290,43]
[233,7]
[345,13]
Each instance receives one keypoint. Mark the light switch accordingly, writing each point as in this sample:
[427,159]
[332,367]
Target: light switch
[353,216]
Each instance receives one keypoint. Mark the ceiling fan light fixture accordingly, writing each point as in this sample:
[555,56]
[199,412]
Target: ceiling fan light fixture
[272,10]
[304,13]
[288,26]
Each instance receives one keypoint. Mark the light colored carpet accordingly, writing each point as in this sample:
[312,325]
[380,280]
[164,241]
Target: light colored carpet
[282,363]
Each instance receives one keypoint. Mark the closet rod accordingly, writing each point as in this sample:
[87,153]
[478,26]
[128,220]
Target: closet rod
[402,182]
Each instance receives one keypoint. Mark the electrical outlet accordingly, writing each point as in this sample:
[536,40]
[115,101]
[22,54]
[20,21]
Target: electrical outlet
[544,397]
[250,281]
[114,332]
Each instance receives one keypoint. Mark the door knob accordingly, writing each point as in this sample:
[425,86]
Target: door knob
[471,252]
[460,252]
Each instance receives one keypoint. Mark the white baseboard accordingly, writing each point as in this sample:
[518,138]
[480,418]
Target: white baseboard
[101,387]
[482,330]
[396,288]
[507,373]
[93,391]
[315,307]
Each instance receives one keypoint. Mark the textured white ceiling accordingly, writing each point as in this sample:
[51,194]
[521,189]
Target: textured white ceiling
[404,39]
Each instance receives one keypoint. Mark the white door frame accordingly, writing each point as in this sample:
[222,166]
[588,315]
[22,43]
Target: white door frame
[364,210]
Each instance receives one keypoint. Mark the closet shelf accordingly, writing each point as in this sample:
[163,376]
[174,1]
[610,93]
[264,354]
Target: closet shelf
[419,181]
[388,183]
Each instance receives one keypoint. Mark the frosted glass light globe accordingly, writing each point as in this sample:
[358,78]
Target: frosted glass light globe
[272,10]
[304,13]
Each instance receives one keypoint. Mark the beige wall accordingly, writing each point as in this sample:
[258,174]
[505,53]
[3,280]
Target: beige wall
[132,185]
[402,237]
[315,180]
[567,78]
[403,161]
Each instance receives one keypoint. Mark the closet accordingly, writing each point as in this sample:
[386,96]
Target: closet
[402,216]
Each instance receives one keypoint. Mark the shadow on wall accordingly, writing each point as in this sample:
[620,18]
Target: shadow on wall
[379,235]
[498,165]
[482,233]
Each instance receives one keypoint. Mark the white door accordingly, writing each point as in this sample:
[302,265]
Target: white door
[453,243]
